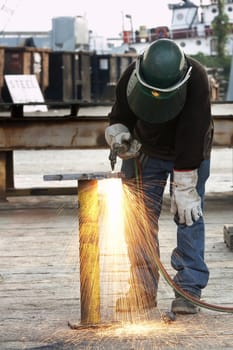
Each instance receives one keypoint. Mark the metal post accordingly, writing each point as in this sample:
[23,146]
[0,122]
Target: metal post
[89,251]
[131,28]
[2,176]
[88,215]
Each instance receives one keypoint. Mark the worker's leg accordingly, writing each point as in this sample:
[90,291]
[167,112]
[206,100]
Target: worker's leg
[188,257]
[154,178]
[142,230]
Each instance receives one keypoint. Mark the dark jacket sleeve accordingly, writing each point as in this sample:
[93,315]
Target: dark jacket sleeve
[186,139]
[194,128]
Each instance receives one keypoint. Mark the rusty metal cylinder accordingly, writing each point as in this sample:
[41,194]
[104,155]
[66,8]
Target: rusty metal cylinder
[89,251]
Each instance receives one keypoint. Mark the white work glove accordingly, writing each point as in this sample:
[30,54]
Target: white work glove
[185,200]
[119,137]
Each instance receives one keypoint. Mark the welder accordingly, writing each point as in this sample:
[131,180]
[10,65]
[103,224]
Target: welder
[162,112]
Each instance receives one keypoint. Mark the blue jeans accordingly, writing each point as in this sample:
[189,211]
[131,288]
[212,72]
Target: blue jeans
[188,257]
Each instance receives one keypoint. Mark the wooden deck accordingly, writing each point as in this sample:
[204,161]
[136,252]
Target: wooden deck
[39,283]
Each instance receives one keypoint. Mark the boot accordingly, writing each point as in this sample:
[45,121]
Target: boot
[134,301]
[183,306]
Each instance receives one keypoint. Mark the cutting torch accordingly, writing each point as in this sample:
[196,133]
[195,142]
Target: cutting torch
[116,149]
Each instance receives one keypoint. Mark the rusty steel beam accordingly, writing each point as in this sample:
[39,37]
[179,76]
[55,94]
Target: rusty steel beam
[52,133]
[86,132]
[77,132]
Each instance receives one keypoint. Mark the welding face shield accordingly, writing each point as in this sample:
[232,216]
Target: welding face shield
[156,91]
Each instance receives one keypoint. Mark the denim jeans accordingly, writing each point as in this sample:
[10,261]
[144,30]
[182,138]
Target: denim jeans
[187,258]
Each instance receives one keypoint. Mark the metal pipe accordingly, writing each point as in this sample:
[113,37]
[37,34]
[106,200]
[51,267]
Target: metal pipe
[88,216]
[89,251]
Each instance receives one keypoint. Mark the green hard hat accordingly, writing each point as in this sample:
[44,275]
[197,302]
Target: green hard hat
[156,91]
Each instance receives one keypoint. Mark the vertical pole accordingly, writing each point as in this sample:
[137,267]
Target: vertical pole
[2,175]
[9,170]
[89,251]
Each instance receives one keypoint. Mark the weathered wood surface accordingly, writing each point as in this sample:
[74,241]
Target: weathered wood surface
[39,283]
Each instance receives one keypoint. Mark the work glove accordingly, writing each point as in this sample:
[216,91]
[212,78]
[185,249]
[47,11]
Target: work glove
[120,139]
[185,200]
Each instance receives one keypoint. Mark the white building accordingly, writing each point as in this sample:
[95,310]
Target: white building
[191,26]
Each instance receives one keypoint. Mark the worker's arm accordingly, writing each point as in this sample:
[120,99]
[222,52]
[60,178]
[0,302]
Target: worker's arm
[120,140]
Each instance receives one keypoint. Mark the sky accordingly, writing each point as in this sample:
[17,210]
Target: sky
[105,17]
